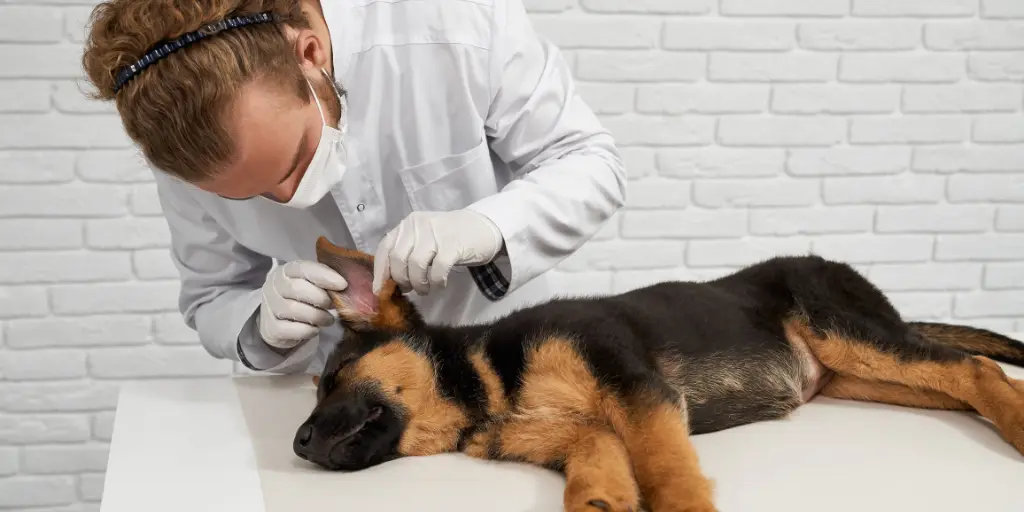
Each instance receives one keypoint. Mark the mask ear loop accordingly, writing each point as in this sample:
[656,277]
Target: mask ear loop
[317,100]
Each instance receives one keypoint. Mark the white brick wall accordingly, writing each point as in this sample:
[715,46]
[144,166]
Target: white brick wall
[888,133]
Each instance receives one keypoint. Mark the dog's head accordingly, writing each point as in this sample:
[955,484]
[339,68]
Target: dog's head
[378,397]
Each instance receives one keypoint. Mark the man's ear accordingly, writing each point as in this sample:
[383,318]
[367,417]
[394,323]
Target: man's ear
[357,306]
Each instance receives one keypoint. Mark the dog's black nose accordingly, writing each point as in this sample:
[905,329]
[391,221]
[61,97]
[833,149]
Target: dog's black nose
[304,435]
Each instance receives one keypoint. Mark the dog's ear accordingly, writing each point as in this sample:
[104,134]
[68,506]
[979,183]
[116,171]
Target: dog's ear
[357,306]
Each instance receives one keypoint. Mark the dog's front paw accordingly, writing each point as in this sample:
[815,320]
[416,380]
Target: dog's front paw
[604,504]
[614,498]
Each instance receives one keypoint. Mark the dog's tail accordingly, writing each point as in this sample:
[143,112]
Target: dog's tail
[973,340]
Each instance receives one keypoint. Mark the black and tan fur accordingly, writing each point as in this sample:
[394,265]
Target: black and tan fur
[607,390]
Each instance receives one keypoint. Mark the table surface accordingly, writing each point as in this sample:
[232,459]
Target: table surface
[195,445]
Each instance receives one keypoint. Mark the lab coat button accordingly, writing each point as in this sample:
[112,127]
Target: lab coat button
[360,207]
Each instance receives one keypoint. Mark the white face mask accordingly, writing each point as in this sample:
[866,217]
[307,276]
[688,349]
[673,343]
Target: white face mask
[327,166]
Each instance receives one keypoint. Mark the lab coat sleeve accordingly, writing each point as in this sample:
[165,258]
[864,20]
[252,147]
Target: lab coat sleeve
[220,285]
[570,178]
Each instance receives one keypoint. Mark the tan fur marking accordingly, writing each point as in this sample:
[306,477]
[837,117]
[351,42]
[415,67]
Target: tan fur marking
[665,462]
[977,380]
[496,402]
[407,377]
[968,339]
[856,388]
[598,474]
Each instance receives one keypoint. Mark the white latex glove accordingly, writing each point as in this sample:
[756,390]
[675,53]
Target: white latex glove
[295,304]
[420,252]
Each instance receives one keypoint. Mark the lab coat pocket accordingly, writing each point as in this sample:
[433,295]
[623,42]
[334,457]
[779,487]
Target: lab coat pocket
[451,182]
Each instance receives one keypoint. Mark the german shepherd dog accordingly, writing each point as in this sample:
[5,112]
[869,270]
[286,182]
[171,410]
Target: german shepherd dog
[607,390]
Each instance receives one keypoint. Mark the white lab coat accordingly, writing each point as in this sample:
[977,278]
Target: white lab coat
[451,104]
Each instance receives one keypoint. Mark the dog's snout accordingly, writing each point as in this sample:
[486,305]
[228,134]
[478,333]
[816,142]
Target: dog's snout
[304,434]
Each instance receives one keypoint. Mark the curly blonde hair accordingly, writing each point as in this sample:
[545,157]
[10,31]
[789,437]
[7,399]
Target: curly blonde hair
[176,109]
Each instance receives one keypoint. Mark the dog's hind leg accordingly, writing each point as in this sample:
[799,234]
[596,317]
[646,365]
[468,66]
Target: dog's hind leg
[903,359]
[855,388]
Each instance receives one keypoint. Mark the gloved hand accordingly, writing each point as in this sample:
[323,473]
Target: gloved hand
[420,252]
[295,304]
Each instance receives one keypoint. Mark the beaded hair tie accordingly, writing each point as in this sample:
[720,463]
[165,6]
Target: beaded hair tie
[159,52]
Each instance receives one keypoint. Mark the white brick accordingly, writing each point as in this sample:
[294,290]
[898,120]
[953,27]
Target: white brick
[24,24]
[36,491]
[170,329]
[90,486]
[574,284]
[648,6]
[997,188]
[36,166]
[627,280]
[43,428]
[784,7]
[896,189]
[934,219]
[41,364]
[63,266]
[155,296]
[661,131]
[849,35]
[705,34]
[115,166]
[1010,218]
[127,363]
[616,255]
[59,396]
[811,221]
[746,251]
[996,66]
[28,234]
[70,97]
[781,131]
[871,67]
[970,158]
[874,249]
[998,128]
[703,99]
[639,162]
[78,331]
[24,96]
[31,131]
[76,22]
[744,193]
[927,277]
[8,460]
[639,66]
[145,201]
[606,98]
[975,35]
[154,264]
[962,98]
[659,193]
[68,200]
[103,426]
[853,161]
[138,233]
[40,61]
[66,459]
[937,8]
[835,99]
[22,301]
[772,67]
[1002,8]
[571,32]
[610,229]
[989,303]
[1000,276]
[988,247]
[909,129]
[917,306]
[717,162]
[692,223]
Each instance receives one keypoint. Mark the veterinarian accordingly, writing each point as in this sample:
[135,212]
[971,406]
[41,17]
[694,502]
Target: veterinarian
[446,137]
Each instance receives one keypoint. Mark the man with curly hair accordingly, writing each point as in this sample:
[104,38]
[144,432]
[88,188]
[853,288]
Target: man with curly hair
[444,136]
